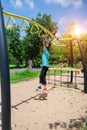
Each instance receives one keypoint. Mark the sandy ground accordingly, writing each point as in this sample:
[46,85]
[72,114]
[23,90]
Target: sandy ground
[64,109]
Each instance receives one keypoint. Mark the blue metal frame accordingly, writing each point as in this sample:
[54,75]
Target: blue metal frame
[5,78]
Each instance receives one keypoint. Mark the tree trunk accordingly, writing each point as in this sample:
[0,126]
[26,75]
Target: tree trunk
[30,65]
[17,63]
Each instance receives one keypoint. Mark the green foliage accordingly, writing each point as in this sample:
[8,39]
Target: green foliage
[14,44]
[30,46]
[46,21]
[54,54]
[82,128]
[32,42]
[59,54]
[12,66]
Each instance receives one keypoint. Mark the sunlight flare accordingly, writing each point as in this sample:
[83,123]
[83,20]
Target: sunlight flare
[77,31]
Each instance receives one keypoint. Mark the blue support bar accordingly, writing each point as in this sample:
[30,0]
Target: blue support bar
[5,78]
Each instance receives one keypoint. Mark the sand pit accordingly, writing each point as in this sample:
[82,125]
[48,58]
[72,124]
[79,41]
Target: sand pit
[64,109]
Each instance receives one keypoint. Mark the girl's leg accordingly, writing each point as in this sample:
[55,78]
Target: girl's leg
[44,78]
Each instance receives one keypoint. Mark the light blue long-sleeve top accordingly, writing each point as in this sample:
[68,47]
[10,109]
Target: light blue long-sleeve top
[45,58]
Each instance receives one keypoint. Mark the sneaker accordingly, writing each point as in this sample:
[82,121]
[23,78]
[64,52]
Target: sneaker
[39,88]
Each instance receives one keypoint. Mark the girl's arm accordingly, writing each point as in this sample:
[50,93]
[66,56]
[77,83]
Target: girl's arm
[44,44]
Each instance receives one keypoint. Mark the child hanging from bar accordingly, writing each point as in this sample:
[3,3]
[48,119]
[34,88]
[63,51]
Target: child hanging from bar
[45,64]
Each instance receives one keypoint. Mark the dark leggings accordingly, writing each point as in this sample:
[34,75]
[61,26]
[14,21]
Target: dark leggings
[43,75]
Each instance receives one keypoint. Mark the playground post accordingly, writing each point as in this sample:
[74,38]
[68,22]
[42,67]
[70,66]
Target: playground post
[77,34]
[83,64]
[5,78]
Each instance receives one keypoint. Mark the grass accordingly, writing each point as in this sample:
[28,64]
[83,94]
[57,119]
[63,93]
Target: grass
[83,128]
[12,66]
[26,75]
[21,76]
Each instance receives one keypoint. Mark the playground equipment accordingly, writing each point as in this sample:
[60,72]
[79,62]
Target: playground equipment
[12,18]
[4,65]
[5,80]
[61,74]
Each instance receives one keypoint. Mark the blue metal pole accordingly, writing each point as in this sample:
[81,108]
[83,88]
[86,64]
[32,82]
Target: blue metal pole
[5,78]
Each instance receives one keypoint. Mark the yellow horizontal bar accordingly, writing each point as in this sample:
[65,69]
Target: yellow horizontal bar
[28,20]
[65,39]
[66,69]
[35,23]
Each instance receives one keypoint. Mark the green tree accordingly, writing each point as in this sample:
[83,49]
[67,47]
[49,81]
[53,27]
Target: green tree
[33,43]
[31,46]
[46,21]
[14,44]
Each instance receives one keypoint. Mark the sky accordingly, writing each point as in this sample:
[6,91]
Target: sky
[61,11]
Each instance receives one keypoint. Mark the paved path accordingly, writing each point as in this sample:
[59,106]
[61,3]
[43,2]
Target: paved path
[23,69]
